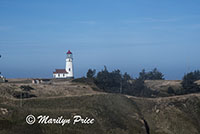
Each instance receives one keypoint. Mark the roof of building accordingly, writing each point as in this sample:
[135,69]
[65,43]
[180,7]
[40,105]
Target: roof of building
[60,71]
[69,52]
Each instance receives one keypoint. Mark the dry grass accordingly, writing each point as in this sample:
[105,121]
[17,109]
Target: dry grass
[58,88]
[163,85]
[114,113]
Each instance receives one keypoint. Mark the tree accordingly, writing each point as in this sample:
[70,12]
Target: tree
[115,82]
[109,81]
[143,75]
[126,76]
[91,73]
[152,75]
[156,75]
[125,83]
[188,83]
[138,88]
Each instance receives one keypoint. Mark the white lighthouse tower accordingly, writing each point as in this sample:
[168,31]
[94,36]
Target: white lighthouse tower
[69,65]
[68,71]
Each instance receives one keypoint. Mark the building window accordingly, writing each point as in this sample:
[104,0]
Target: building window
[69,69]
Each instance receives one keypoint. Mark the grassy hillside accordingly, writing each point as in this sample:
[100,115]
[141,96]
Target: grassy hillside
[51,89]
[113,113]
[171,115]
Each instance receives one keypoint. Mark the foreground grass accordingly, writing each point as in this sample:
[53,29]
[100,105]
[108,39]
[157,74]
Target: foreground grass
[113,114]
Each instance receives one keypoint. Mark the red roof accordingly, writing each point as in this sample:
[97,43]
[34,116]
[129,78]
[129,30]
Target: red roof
[60,71]
[69,52]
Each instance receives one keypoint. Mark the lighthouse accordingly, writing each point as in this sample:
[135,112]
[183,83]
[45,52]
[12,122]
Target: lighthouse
[69,64]
[68,71]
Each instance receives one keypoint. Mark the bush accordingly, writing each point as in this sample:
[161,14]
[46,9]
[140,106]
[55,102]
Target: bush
[170,90]
[26,88]
[22,95]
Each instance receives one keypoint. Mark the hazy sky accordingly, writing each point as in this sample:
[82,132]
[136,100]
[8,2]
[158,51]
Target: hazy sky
[122,34]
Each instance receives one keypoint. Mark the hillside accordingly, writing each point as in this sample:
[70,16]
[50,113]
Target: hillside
[163,85]
[50,89]
[171,115]
[113,113]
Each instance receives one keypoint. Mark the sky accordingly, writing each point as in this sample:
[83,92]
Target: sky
[121,34]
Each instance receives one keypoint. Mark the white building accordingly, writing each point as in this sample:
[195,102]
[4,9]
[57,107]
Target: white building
[2,79]
[68,71]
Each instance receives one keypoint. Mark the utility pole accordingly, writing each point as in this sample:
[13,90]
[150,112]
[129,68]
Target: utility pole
[0,57]
[2,79]
[21,99]
[120,87]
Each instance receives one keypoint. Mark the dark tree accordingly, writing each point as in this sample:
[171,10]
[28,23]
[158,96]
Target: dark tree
[115,82]
[143,75]
[126,83]
[156,75]
[188,83]
[91,73]
[152,75]
[109,81]
[138,88]
[126,76]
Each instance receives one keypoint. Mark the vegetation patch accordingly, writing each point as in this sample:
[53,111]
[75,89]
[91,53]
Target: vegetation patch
[26,88]
[22,95]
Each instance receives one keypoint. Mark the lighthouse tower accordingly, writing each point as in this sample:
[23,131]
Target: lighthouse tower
[68,71]
[69,65]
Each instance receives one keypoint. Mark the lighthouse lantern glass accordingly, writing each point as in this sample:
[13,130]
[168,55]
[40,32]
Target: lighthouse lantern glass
[69,56]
